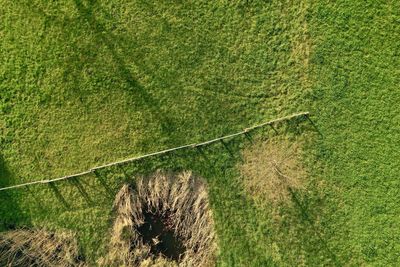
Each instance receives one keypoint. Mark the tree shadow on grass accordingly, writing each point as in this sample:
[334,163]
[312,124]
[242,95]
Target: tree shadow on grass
[102,53]
[80,55]
[118,51]
[11,214]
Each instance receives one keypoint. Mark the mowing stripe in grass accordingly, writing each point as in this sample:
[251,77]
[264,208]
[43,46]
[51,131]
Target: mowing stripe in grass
[301,114]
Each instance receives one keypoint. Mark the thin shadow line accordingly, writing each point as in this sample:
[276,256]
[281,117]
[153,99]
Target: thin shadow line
[58,195]
[75,181]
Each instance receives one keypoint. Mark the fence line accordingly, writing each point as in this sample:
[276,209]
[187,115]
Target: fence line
[246,130]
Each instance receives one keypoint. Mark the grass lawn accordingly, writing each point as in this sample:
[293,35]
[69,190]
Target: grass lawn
[84,83]
[356,68]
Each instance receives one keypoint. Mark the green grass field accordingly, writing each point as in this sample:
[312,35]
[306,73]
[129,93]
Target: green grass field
[84,83]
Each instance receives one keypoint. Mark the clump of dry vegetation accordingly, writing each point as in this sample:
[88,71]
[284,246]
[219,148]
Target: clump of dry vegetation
[38,248]
[164,220]
[272,171]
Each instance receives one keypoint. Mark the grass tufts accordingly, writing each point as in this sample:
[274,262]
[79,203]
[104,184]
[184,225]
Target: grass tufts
[38,248]
[164,221]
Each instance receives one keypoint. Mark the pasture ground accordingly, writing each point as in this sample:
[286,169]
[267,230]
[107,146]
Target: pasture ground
[84,83]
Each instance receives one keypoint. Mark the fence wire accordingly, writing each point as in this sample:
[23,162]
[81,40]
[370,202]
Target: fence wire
[193,145]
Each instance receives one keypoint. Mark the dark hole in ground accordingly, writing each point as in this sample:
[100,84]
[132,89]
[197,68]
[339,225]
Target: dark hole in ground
[157,232]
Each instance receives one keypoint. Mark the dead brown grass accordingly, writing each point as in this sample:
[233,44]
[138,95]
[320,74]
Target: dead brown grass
[184,198]
[272,170]
[38,248]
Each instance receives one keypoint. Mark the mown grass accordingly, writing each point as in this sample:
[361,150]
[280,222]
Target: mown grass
[84,83]
[356,97]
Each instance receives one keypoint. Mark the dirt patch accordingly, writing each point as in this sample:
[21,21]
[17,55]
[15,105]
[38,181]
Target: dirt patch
[158,233]
[272,171]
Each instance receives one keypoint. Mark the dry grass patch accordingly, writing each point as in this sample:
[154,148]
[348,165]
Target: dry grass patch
[272,171]
[38,248]
[164,221]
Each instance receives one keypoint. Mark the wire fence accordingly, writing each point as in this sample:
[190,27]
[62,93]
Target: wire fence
[193,145]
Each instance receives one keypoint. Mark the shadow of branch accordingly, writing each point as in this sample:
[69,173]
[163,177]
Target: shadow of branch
[117,52]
